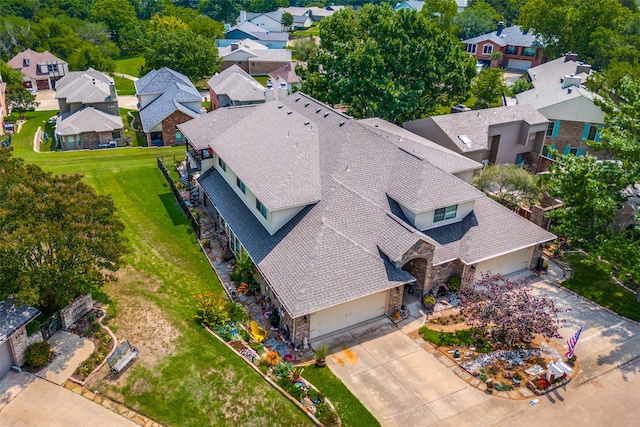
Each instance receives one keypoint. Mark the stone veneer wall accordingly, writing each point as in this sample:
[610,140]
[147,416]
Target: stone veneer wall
[439,274]
[417,260]
[537,253]
[19,342]
[395,300]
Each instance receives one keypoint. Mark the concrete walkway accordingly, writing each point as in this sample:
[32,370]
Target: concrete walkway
[72,350]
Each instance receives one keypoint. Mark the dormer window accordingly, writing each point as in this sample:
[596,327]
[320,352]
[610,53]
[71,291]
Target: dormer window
[241,186]
[445,213]
[261,208]
[222,164]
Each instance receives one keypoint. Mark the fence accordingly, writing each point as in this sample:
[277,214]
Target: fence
[195,223]
[51,325]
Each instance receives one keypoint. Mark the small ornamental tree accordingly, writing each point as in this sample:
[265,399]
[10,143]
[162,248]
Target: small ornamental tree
[509,309]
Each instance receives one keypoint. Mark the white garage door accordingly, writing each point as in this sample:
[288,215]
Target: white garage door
[347,314]
[5,358]
[519,64]
[506,264]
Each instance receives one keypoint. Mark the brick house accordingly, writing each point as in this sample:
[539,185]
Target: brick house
[340,215]
[40,70]
[166,98]
[512,134]
[232,87]
[559,94]
[519,48]
[89,115]
[13,334]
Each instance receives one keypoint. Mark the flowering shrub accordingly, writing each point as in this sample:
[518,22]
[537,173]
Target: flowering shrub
[289,357]
[211,310]
[249,354]
[542,383]
[237,345]
[272,358]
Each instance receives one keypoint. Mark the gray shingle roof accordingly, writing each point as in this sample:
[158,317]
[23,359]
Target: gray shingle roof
[88,120]
[476,124]
[259,33]
[508,36]
[338,249]
[235,83]
[200,131]
[13,317]
[175,90]
[86,87]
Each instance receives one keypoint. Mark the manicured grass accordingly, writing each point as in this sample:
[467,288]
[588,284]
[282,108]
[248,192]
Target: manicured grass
[598,287]
[314,30]
[262,79]
[352,412]
[138,138]
[129,65]
[199,382]
[124,86]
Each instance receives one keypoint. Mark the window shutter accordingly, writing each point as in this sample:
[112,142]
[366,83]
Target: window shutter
[566,150]
[579,153]
[598,133]
[585,131]
[556,129]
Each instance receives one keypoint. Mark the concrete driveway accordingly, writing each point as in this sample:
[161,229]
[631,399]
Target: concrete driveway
[402,384]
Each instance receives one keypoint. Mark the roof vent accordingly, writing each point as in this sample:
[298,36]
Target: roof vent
[478,114]
[341,123]
[297,99]
[306,123]
[325,114]
[289,112]
[306,104]
[347,169]
[318,110]
[569,90]
[280,106]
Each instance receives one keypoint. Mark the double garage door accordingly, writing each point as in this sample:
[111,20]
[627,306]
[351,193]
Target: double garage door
[347,314]
[6,360]
[505,264]
[519,64]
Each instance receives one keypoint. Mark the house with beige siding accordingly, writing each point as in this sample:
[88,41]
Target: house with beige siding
[340,216]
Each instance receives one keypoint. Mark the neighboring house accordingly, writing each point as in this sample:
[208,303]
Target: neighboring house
[89,115]
[247,30]
[253,57]
[418,5]
[271,21]
[500,135]
[233,87]
[338,215]
[40,70]
[316,14]
[166,98]
[519,48]
[559,95]
[287,73]
[300,22]
[13,334]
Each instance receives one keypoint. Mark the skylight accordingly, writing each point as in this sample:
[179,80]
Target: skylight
[465,139]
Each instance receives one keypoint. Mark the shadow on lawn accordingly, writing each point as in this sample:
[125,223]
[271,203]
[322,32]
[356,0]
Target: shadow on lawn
[173,209]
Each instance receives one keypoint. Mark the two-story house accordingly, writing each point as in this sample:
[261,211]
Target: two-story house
[518,46]
[338,215]
[166,98]
[511,134]
[40,70]
[233,87]
[89,114]
[253,57]
[559,94]
[248,30]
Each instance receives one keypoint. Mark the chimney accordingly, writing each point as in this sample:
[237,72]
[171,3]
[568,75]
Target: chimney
[583,68]
[243,16]
[570,56]
[571,80]
[500,28]
[203,111]
[283,92]
[112,91]
[269,95]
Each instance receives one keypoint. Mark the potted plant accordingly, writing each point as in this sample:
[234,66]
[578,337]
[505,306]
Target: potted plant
[206,243]
[321,354]
[517,377]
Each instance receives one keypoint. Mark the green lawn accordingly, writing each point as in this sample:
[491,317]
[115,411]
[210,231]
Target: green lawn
[351,411]
[598,287]
[124,86]
[314,30]
[199,381]
[262,79]
[138,139]
[129,65]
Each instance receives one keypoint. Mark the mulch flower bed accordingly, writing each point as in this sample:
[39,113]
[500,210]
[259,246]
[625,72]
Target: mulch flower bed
[88,327]
[35,370]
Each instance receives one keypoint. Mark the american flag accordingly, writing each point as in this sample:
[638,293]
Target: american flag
[571,342]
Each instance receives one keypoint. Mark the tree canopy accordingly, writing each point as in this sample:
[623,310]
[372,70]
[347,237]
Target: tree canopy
[477,19]
[509,185]
[395,65]
[488,87]
[58,238]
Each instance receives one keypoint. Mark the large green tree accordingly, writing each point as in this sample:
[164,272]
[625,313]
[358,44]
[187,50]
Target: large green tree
[116,14]
[441,12]
[509,185]
[395,65]
[478,19]
[488,87]
[20,100]
[58,238]
[184,51]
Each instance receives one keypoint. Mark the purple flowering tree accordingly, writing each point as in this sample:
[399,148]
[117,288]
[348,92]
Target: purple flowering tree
[509,310]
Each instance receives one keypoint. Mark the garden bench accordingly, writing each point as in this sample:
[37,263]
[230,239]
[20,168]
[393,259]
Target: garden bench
[121,357]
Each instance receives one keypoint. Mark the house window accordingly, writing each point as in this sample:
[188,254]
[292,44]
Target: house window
[529,51]
[261,208]
[546,150]
[52,68]
[573,151]
[592,133]
[222,164]
[445,213]
[552,129]
[71,141]
[487,49]
[520,159]
[115,135]
[471,47]
[241,185]
[178,137]
[511,50]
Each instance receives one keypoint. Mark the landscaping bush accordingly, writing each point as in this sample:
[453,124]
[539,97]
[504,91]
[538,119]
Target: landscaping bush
[37,354]
[237,313]
[223,331]
[255,345]
[211,310]
[286,384]
[454,282]
[283,369]
[245,335]
[32,327]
